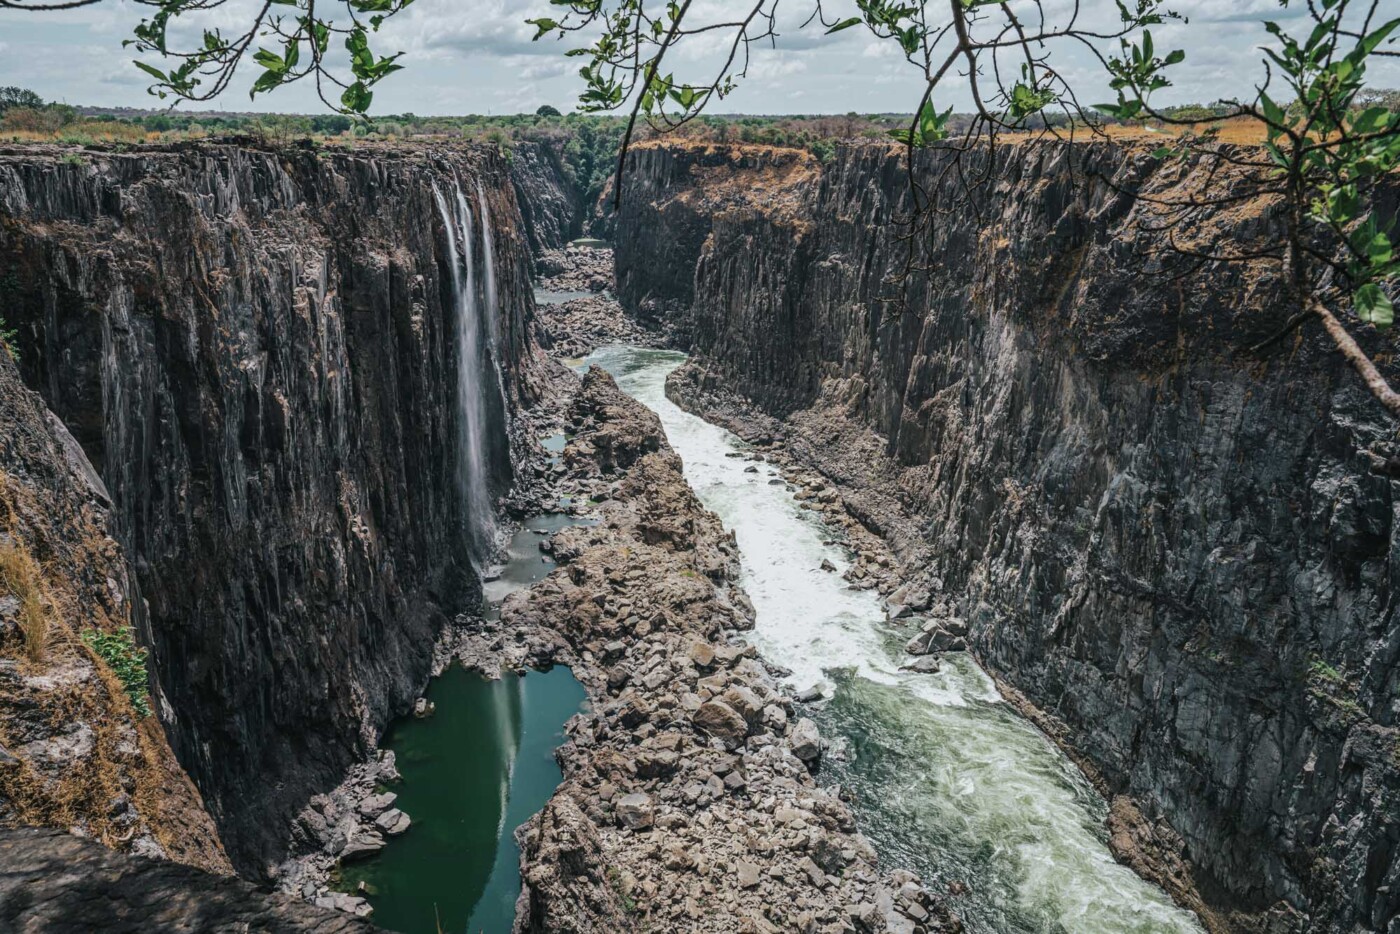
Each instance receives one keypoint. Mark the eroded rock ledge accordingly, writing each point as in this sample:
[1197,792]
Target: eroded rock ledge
[57,883]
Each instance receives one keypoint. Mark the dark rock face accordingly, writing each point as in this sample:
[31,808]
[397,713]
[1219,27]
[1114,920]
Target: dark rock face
[1177,551]
[550,205]
[257,350]
[54,883]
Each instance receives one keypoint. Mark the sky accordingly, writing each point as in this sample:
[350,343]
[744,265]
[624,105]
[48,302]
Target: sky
[476,56]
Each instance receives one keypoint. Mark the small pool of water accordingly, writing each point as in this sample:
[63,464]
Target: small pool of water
[473,772]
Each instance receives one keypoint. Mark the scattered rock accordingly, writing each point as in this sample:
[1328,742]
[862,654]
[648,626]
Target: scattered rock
[635,811]
[806,740]
[393,822]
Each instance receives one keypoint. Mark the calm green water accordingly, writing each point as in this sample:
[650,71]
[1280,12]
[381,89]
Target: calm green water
[472,773]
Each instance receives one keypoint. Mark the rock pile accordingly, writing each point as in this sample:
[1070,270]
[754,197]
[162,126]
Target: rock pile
[576,327]
[349,823]
[688,802]
[576,269]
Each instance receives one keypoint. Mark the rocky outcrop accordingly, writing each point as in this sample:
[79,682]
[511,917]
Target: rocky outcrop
[687,802]
[570,325]
[256,349]
[75,750]
[1178,553]
[55,883]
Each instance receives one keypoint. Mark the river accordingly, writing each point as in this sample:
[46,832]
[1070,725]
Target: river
[949,780]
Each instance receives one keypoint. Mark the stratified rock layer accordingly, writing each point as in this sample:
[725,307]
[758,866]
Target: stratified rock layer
[1179,552]
[257,351]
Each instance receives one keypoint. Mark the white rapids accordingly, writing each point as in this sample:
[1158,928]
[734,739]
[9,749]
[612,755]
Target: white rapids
[949,780]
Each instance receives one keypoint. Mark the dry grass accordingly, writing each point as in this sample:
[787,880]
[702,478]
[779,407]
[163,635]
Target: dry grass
[83,131]
[21,577]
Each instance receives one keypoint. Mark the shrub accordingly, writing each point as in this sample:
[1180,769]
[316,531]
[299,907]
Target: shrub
[127,661]
[7,339]
[19,574]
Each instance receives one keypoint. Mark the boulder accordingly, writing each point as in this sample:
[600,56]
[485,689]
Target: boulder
[393,822]
[745,702]
[656,763]
[916,598]
[635,811]
[806,740]
[721,721]
[375,805]
[702,654]
[365,843]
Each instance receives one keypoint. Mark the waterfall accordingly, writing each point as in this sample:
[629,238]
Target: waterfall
[473,472]
[488,254]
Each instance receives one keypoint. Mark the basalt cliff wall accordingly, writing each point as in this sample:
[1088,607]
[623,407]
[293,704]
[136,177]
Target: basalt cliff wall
[256,350]
[550,206]
[1179,551]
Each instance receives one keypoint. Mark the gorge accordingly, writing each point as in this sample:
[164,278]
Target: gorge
[279,409]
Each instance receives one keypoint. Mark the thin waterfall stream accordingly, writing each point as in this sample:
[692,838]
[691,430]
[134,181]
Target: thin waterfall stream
[949,780]
[476,353]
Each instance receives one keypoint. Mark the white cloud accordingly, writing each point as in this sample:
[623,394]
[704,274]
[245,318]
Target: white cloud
[478,57]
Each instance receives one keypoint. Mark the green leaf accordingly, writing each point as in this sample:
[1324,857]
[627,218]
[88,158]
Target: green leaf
[845,24]
[356,98]
[270,60]
[152,71]
[1373,306]
[266,82]
[1379,251]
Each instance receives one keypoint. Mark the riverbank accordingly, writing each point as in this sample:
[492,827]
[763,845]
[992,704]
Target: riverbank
[841,473]
[688,798]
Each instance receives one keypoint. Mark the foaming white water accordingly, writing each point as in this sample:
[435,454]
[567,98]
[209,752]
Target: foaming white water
[473,475]
[950,780]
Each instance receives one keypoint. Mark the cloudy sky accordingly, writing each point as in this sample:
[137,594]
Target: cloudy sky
[475,56]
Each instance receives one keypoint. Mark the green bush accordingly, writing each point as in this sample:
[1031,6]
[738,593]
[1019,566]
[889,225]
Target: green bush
[7,339]
[127,661]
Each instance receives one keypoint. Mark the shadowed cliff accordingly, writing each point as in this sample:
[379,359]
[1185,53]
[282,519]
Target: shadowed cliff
[1178,551]
[257,351]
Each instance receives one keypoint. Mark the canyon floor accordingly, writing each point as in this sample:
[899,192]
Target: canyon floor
[693,795]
